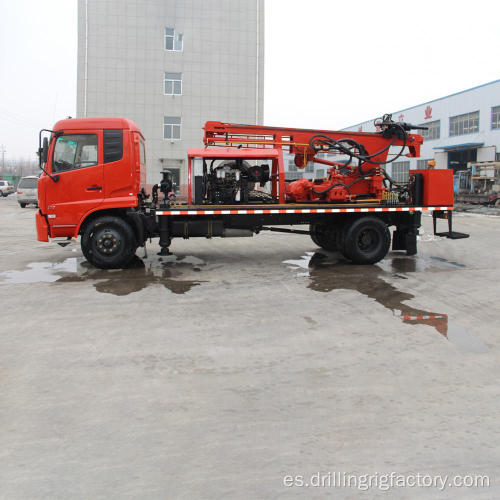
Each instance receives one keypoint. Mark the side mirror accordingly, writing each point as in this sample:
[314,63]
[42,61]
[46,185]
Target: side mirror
[45,150]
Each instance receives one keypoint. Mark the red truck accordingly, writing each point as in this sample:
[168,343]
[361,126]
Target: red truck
[93,185]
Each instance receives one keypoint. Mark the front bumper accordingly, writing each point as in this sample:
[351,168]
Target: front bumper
[42,227]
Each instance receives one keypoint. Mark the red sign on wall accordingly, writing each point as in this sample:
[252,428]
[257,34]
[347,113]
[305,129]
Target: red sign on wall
[428,112]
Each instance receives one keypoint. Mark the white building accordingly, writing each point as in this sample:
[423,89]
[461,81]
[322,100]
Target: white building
[463,127]
[171,65]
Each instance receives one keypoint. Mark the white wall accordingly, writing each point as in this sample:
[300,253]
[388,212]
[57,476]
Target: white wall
[481,99]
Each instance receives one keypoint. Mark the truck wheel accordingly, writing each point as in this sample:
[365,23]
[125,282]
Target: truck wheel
[22,205]
[2,194]
[108,242]
[324,235]
[366,240]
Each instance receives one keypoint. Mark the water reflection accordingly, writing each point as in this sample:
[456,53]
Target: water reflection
[329,271]
[167,272]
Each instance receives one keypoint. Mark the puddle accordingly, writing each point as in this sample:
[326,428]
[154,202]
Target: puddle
[167,271]
[329,271]
[41,272]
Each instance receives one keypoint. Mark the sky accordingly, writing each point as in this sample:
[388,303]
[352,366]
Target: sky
[329,64]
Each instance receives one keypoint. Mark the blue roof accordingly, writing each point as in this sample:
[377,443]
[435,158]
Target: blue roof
[464,145]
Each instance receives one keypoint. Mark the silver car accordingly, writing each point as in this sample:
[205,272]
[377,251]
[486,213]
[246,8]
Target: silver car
[6,188]
[27,191]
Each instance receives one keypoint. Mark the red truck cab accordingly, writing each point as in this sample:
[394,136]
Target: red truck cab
[92,165]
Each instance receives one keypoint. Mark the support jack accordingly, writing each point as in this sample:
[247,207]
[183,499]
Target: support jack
[446,214]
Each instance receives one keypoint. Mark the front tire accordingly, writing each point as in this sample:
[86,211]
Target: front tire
[2,194]
[366,240]
[22,205]
[108,242]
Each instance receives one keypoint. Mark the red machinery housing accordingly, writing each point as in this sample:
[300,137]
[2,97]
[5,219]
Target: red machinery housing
[346,181]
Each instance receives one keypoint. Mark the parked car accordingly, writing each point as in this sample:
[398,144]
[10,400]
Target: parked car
[27,191]
[6,188]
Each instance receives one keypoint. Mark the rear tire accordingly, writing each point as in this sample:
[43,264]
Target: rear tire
[108,242]
[22,205]
[366,240]
[2,194]
[324,235]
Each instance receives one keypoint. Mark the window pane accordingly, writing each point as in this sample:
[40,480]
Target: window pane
[28,183]
[169,31]
[178,42]
[169,42]
[175,120]
[177,87]
[75,151]
[167,131]
[173,76]
[176,132]
[168,86]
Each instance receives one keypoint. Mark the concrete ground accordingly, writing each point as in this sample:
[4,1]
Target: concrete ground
[218,372]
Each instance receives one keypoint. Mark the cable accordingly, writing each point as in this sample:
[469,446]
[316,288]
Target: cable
[333,144]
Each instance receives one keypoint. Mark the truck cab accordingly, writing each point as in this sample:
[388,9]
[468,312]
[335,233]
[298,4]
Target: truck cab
[92,165]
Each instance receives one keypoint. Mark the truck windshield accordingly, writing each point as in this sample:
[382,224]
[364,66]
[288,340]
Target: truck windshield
[75,151]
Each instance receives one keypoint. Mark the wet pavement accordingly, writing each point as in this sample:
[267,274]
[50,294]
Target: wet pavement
[215,371]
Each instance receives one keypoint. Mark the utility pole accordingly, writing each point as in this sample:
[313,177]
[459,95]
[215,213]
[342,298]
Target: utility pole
[3,151]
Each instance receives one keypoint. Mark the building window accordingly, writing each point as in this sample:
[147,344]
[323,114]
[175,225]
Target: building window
[422,164]
[291,166]
[320,173]
[173,84]
[495,117]
[173,40]
[497,156]
[433,131]
[172,127]
[400,171]
[464,124]
[309,167]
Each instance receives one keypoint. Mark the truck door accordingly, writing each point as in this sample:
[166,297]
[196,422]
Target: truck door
[78,161]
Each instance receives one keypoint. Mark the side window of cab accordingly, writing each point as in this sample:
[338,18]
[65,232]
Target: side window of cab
[75,151]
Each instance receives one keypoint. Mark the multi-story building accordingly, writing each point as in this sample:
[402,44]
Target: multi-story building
[171,65]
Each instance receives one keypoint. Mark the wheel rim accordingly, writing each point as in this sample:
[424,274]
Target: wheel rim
[368,240]
[108,242]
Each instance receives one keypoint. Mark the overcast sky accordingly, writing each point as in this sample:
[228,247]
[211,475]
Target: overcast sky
[329,64]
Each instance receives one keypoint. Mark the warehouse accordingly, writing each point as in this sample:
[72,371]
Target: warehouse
[463,127]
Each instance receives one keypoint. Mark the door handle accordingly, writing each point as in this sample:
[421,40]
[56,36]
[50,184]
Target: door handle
[94,188]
